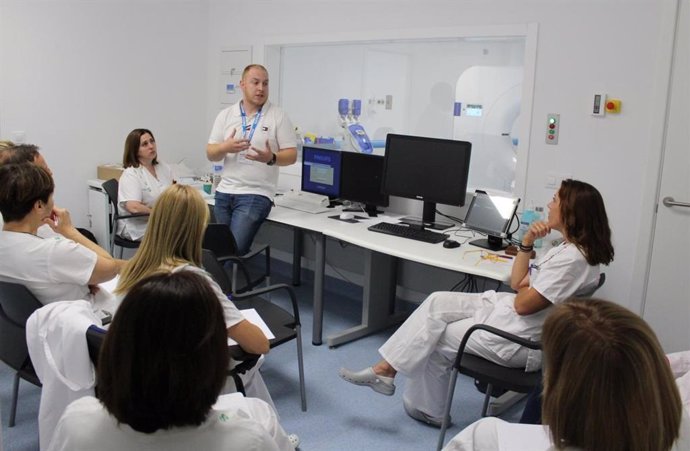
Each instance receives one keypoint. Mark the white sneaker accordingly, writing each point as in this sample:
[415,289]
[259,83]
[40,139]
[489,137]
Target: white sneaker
[367,376]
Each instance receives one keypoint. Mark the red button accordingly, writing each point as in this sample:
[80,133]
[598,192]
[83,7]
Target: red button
[610,106]
[552,125]
[550,136]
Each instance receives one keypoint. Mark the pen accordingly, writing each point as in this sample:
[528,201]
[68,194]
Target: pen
[508,257]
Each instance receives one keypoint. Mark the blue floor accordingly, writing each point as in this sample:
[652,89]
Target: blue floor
[340,416]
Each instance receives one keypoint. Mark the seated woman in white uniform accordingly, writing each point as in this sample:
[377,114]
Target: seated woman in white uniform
[161,368]
[173,243]
[66,266]
[142,181]
[607,386]
[425,346]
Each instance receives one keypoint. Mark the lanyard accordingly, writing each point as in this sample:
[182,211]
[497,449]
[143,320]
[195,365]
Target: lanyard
[244,123]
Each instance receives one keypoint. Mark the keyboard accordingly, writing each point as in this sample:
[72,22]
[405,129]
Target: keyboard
[408,232]
[296,204]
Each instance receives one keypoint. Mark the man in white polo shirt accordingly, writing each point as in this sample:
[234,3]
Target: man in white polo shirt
[252,138]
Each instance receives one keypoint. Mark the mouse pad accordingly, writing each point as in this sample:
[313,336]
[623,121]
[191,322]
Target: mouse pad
[355,219]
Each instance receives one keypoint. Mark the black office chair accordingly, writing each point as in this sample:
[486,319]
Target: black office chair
[285,326]
[489,375]
[17,303]
[219,239]
[111,187]
[491,378]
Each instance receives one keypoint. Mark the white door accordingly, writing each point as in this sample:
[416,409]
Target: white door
[667,304]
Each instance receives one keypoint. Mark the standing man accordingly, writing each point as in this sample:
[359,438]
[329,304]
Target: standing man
[252,138]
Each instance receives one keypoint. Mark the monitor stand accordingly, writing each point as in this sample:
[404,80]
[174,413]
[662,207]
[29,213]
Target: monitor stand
[369,209]
[493,243]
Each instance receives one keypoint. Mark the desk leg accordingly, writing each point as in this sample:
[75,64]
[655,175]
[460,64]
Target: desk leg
[297,236]
[319,270]
[378,305]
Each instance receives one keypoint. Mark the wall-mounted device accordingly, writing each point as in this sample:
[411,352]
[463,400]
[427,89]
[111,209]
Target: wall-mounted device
[553,124]
[599,105]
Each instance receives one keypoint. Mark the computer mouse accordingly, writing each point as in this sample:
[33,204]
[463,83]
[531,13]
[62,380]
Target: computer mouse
[451,244]
[346,216]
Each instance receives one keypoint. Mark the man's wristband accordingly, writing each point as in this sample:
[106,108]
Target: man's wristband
[524,248]
[272,161]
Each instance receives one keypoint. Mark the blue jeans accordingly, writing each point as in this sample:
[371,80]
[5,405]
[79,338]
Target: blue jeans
[244,213]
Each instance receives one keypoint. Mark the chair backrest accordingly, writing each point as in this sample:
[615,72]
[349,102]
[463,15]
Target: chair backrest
[17,303]
[589,293]
[94,340]
[219,239]
[213,267]
[110,187]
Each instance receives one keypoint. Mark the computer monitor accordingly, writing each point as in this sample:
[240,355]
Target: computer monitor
[491,214]
[432,170]
[361,180]
[321,171]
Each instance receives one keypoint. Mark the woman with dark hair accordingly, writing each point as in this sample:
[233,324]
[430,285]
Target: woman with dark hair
[161,368]
[61,267]
[142,181]
[425,346]
[607,386]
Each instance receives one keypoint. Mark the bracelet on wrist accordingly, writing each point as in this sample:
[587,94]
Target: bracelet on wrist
[524,248]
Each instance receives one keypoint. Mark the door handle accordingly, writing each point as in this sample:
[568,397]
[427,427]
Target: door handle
[668,201]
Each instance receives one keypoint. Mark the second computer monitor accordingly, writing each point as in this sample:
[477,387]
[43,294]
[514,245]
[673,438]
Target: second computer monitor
[491,214]
[432,170]
[321,171]
[361,180]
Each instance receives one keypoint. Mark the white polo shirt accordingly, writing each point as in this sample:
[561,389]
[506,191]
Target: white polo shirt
[243,176]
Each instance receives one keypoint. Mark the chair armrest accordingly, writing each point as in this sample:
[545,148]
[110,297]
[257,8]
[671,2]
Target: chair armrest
[133,215]
[268,289]
[251,254]
[501,333]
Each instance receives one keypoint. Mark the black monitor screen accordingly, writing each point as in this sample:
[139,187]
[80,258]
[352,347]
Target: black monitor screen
[429,169]
[491,214]
[321,171]
[361,179]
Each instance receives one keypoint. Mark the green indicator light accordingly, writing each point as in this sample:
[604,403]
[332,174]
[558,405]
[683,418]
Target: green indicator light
[552,121]
[552,132]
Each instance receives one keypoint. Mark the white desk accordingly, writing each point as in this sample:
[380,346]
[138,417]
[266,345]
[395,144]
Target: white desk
[378,305]
[380,265]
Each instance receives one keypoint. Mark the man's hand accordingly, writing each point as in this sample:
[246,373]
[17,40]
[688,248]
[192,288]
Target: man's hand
[232,145]
[264,156]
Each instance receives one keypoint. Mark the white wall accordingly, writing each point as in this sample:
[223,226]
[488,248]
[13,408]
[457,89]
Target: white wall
[573,62]
[78,76]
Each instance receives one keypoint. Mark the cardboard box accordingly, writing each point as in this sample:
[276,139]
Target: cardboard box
[109,171]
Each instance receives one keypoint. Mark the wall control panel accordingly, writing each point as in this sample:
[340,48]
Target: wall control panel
[553,124]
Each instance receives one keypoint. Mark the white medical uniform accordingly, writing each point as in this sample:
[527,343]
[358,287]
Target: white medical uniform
[56,338]
[235,423]
[494,434]
[425,345]
[43,231]
[242,176]
[138,184]
[53,269]
[680,365]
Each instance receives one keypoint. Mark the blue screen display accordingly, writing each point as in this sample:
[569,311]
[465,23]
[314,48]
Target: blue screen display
[321,171]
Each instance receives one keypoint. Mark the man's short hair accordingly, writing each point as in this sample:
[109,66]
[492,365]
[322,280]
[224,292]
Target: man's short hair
[253,66]
[21,185]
